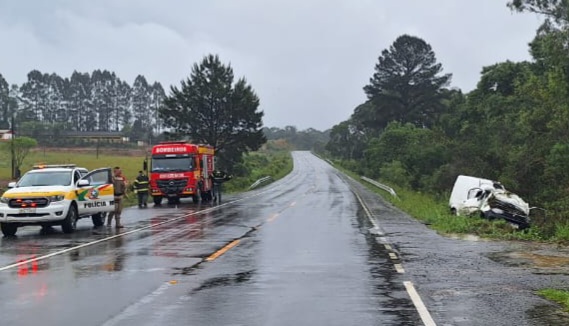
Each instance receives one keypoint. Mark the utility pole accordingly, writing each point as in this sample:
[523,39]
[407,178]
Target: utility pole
[12,149]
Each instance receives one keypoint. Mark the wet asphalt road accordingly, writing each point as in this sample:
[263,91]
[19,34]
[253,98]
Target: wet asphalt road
[314,248]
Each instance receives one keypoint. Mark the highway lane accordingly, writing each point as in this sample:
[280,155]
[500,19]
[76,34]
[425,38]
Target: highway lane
[298,251]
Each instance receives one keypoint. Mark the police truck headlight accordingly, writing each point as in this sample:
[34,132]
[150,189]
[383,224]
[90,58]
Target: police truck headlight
[56,198]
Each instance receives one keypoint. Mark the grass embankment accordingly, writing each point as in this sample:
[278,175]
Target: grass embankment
[274,164]
[434,212]
[130,164]
[559,296]
[129,161]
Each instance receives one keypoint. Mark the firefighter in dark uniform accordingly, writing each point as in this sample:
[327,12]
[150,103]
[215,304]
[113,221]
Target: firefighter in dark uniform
[140,185]
[218,178]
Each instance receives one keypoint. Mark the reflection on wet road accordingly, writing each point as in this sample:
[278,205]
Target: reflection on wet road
[297,252]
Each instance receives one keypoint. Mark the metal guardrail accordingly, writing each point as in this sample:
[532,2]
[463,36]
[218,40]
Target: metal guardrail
[260,181]
[379,185]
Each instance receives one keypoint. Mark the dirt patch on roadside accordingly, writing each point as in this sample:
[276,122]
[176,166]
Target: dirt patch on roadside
[542,258]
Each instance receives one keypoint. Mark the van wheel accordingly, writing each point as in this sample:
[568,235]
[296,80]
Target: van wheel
[9,229]
[70,222]
[453,211]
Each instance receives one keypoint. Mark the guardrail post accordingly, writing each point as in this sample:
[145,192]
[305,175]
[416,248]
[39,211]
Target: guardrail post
[379,185]
[260,181]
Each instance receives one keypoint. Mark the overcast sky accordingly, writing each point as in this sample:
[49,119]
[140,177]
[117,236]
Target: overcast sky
[307,59]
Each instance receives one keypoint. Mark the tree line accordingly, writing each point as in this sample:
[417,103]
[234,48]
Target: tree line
[309,139]
[416,131]
[210,106]
[83,102]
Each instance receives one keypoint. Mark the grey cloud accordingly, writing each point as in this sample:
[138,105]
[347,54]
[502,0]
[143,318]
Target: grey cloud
[307,60]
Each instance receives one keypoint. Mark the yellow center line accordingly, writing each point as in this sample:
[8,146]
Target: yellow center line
[223,250]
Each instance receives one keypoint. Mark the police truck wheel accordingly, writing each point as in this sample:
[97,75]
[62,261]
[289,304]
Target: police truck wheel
[70,222]
[9,229]
[98,219]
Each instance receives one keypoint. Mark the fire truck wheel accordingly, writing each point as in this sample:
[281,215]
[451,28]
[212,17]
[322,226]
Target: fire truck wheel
[157,200]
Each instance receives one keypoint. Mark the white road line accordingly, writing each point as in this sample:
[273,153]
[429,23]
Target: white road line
[393,256]
[388,247]
[368,213]
[419,305]
[134,308]
[57,253]
[399,268]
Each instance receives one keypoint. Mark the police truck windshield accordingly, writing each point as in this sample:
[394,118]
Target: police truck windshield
[45,178]
[172,164]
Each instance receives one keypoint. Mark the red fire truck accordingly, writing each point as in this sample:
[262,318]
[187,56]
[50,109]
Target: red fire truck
[179,169]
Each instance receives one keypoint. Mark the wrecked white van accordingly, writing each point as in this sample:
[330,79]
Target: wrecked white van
[488,199]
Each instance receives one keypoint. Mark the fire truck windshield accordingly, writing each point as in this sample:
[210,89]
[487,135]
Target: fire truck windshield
[172,164]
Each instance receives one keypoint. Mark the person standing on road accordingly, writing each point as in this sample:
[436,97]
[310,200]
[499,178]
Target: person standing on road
[119,184]
[218,177]
[140,185]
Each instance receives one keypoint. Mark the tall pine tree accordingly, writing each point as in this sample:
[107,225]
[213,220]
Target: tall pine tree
[210,108]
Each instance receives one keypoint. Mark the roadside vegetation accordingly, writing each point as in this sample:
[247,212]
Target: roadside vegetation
[272,160]
[416,133]
[433,210]
[559,296]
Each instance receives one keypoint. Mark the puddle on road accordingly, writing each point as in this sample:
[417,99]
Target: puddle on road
[226,280]
[466,237]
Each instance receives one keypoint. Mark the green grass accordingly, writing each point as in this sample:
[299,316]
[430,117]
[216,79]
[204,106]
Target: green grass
[273,163]
[129,164]
[559,296]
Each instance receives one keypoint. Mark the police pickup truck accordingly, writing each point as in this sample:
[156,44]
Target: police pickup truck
[51,195]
